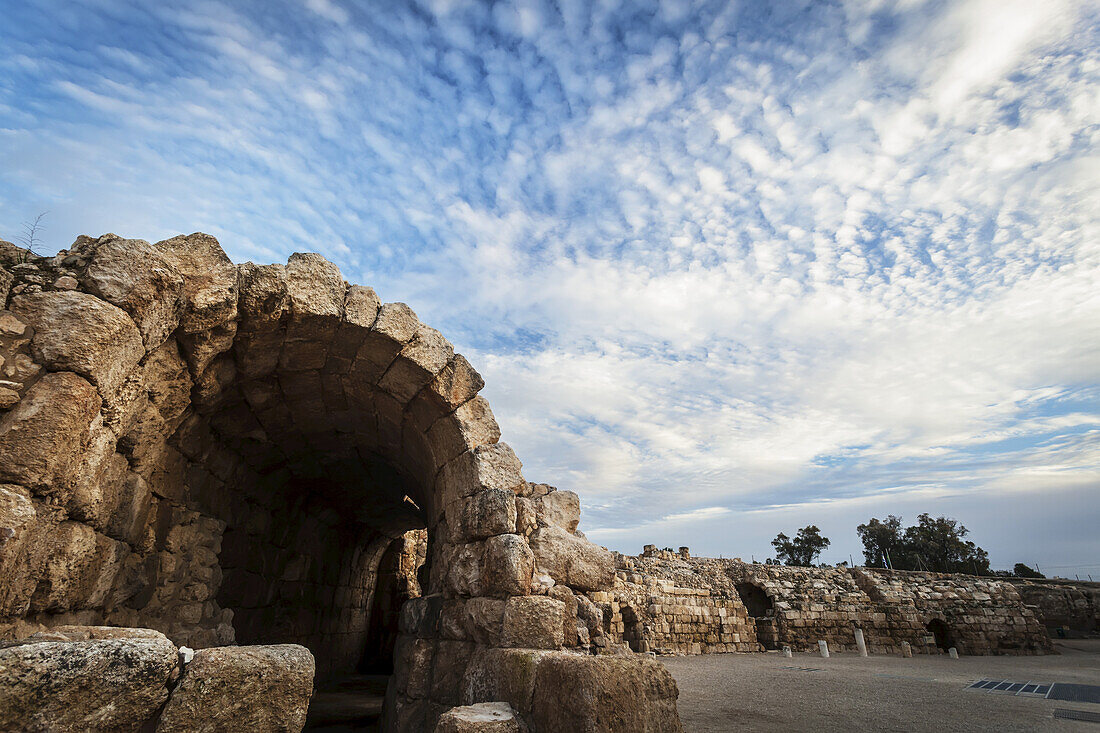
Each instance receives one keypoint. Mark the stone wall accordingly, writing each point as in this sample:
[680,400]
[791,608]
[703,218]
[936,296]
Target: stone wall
[228,452]
[771,606]
[1072,606]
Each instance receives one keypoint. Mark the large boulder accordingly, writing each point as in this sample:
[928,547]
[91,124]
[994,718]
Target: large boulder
[102,684]
[571,560]
[243,688]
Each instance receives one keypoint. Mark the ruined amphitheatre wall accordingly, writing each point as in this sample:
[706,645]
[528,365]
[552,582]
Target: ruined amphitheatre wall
[771,606]
[225,453]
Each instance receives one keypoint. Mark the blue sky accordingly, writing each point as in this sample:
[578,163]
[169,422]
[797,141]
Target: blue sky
[728,268]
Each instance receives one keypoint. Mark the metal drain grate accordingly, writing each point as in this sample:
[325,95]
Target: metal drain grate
[804,669]
[1074,693]
[1007,687]
[1086,715]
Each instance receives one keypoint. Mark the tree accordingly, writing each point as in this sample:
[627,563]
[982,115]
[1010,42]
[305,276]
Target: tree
[938,544]
[883,545]
[803,549]
[1023,571]
[931,544]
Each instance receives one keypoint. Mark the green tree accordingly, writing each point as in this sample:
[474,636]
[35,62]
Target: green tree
[883,544]
[803,549]
[938,544]
[1023,571]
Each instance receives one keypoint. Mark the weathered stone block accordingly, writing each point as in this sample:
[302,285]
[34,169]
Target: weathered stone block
[78,332]
[484,717]
[487,513]
[560,508]
[43,437]
[470,426]
[507,566]
[533,622]
[131,274]
[106,684]
[253,688]
[209,280]
[571,560]
[417,363]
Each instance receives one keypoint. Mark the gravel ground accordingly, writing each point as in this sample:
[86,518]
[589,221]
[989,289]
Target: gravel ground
[754,692]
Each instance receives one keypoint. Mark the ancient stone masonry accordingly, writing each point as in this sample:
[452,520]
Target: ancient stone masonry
[236,453]
[1068,605]
[770,606]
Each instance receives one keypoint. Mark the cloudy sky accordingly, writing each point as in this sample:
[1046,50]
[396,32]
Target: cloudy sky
[728,268]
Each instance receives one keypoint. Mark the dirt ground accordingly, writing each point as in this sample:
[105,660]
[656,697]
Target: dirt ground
[766,692]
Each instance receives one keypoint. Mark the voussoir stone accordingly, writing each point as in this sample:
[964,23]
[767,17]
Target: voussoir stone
[133,275]
[80,333]
[103,684]
[243,688]
[571,560]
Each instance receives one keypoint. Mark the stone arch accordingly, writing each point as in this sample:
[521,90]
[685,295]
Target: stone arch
[755,599]
[941,632]
[226,452]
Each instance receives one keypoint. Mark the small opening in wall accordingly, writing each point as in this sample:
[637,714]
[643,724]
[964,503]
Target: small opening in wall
[756,601]
[942,634]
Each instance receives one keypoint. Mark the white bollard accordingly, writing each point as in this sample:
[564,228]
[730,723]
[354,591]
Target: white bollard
[787,652]
[861,643]
[953,653]
[823,647]
[906,649]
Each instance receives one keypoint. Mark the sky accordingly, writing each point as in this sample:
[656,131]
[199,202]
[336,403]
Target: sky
[728,268]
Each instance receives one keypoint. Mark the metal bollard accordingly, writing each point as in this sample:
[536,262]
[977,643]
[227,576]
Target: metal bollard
[823,647]
[906,649]
[861,643]
[953,653]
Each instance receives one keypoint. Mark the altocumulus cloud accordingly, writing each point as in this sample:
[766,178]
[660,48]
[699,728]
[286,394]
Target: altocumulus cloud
[728,268]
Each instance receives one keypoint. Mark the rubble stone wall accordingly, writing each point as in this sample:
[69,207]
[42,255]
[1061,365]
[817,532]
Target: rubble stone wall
[1073,606]
[225,452]
[770,606]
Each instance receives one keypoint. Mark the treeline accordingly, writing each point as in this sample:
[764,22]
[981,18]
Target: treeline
[936,544]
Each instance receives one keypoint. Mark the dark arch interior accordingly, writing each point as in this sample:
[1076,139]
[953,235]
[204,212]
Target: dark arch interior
[755,599]
[633,632]
[942,633]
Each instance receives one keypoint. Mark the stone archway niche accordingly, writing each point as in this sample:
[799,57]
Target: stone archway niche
[227,453]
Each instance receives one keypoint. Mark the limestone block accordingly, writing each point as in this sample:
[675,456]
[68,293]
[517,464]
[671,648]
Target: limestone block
[395,326]
[569,615]
[79,332]
[484,620]
[487,513]
[43,437]
[5,285]
[316,289]
[448,668]
[560,508]
[253,688]
[457,383]
[99,478]
[502,674]
[493,466]
[526,516]
[413,666]
[131,274]
[80,569]
[483,717]
[264,300]
[209,280]
[417,364]
[571,560]
[167,381]
[507,566]
[22,534]
[620,693]
[463,565]
[104,684]
[202,347]
[471,425]
[533,622]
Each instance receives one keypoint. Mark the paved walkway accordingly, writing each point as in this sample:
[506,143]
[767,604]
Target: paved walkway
[766,692]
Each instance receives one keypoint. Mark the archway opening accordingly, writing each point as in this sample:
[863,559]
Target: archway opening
[633,631]
[756,601]
[941,632]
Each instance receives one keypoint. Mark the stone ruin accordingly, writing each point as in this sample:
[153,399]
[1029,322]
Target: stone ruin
[672,603]
[268,467]
[200,454]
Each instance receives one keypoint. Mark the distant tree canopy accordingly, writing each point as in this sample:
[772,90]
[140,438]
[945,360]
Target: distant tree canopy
[803,549]
[935,544]
[1023,571]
